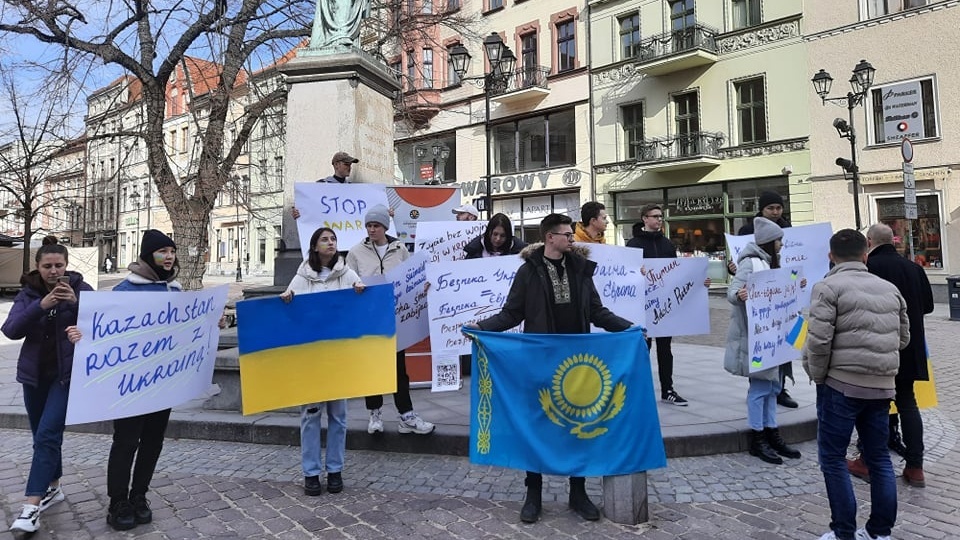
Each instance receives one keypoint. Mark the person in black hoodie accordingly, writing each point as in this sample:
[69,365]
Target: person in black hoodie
[498,239]
[648,235]
[771,207]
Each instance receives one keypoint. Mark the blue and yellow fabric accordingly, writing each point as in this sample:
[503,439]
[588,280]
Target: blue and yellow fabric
[924,391]
[319,347]
[565,404]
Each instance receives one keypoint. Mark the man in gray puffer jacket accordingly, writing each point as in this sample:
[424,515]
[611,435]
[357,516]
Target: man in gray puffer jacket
[857,325]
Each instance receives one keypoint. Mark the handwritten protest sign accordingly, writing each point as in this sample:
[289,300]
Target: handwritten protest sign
[466,291]
[773,309]
[143,352]
[619,282]
[409,280]
[338,206]
[676,300]
[445,240]
[416,204]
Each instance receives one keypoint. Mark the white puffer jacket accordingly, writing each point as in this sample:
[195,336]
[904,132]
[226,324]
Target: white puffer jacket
[308,280]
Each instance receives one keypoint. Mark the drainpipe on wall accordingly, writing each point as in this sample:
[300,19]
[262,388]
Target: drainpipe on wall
[593,149]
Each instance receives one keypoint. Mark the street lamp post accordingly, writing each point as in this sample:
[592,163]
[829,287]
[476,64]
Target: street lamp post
[135,199]
[502,62]
[860,83]
[239,234]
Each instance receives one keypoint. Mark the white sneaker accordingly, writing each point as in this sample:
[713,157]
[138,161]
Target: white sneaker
[415,424]
[51,497]
[376,422]
[29,519]
[829,536]
[862,534]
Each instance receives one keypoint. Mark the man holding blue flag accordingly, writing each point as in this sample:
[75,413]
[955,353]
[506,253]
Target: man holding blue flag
[553,293]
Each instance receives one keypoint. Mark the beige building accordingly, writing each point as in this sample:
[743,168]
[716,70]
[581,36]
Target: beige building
[916,93]
[697,107]
[528,134]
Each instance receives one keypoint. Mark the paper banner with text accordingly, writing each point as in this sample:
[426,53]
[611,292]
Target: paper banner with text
[445,371]
[676,300]
[143,352]
[321,346]
[466,291]
[409,280]
[619,281]
[805,245]
[445,240]
[338,206]
[415,204]
[774,326]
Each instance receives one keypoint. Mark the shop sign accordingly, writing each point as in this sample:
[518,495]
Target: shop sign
[902,111]
[688,206]
[521,182]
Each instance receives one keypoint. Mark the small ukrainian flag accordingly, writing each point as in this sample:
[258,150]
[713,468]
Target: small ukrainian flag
[798,334]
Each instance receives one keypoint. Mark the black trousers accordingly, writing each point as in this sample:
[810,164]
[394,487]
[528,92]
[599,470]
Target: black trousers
[664,362]
[911,426]
[139,437]
[402,396]
[535,480]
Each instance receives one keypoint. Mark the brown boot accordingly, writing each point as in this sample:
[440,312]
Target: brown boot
[914,477]
[858,468]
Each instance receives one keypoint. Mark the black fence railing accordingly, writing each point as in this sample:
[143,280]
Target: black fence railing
[676,42]
[687,145]
[519,79]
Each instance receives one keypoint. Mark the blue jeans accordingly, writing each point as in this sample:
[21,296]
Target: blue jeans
[837,416]
[762,403]
[310,416]
[47,410]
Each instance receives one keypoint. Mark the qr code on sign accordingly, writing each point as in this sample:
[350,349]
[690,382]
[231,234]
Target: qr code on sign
[448,375]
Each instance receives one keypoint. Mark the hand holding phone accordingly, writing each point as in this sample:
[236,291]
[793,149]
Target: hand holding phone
[64,280]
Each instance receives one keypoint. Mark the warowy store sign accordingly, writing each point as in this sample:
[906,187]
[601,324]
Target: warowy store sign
[902,111]
[520,182]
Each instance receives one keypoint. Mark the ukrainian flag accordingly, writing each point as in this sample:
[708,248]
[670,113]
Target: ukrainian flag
[319,347]
[565,404]
[798,334]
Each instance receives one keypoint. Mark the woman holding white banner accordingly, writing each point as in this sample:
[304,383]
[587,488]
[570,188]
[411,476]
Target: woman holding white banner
[323,270]
[42,312]
[761,254]
[498,239]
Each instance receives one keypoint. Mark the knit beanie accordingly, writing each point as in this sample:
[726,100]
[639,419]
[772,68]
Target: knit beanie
[154,240]
[769,197]
[765,231]
[378,214]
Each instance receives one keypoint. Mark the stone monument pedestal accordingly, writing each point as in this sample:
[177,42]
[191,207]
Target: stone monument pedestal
[625,498]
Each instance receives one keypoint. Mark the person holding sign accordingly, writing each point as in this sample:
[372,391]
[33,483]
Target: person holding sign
[323,270]
[141,436]
[858,325]
[553,293]
[498,239]
[761,254]
[377,254]
[42,313]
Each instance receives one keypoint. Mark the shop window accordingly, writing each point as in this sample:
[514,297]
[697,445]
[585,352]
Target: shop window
[525,213]
[907,109]
[751,116]
[927,246]
[629,35]
[632,122]
[746,13]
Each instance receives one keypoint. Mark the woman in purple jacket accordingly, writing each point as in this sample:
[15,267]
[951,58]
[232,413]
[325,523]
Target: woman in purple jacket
[42,311]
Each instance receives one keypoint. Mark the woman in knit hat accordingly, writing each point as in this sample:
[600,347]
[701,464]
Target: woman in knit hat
[141,436]
[761,254]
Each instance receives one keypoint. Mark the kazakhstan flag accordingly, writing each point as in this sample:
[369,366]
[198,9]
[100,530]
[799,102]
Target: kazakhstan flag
[564,404]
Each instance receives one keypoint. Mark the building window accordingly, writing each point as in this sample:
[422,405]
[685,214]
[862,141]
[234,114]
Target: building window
[751,117]
[427,68]
[632,128]
[173,141]
[877,8]
[494,4]
[453,5]
[927,245]
[535,143]
[746,13]
[397,69]
[411,70]
[428,7]
[184,136]
[566,46]
[453,79]
[528,56]
[687,122]
[264,177]
[629,36]
[682,18]
[278,168]
[907,109]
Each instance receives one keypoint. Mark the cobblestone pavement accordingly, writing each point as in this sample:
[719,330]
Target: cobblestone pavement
[211,489]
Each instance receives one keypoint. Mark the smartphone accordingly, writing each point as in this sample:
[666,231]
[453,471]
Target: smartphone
[64,279]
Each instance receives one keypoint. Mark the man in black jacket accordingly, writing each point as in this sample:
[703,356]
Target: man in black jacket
[553,293]
[911,280]
[648,235]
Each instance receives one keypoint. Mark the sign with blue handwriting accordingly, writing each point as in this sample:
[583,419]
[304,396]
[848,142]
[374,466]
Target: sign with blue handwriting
[806,245]
[619,281]
[676,299]
[464,292]
[143,352]
[338,206]
[409,280]
[773,309]
[445,240]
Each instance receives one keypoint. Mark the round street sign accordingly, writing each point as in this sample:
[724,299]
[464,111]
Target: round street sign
[906,150]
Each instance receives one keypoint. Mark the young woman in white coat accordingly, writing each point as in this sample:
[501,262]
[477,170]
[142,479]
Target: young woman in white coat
[323,270]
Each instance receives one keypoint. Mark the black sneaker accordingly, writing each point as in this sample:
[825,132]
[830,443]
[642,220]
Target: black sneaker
[120,516]
[334,482]
[311,486]
[141,509]
[670,396]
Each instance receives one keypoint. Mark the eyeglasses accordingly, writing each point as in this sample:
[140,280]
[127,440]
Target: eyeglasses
[569,235]
[654,216]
